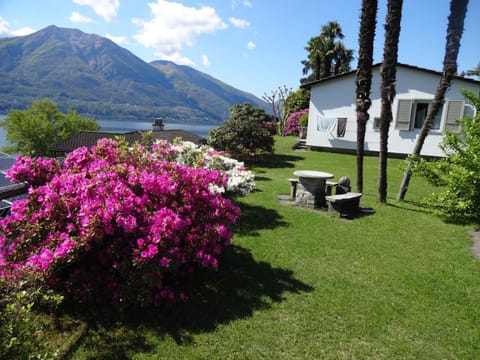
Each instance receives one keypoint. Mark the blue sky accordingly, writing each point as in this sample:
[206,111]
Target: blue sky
[253,45]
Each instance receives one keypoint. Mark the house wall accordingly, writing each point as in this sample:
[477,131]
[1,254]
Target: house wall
[332,99]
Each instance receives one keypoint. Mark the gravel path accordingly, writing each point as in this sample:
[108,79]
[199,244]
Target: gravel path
[475,234]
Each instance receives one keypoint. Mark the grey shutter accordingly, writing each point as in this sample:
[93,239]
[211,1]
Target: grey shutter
[404,112]
[454,112]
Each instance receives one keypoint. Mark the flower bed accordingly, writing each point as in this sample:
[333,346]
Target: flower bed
[119,224]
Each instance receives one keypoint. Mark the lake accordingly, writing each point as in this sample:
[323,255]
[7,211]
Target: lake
[121,126]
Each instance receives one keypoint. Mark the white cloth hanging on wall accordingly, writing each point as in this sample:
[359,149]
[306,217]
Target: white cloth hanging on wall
[326,124]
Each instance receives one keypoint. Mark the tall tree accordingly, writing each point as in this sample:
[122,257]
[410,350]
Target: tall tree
[475,72]
[34,130]
[327,55]
[388,72]
[277,100]
[368,23]
[342,59]
[297,100]
[458,11]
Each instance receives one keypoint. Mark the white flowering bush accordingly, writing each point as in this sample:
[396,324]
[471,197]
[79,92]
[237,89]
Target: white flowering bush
[240,180]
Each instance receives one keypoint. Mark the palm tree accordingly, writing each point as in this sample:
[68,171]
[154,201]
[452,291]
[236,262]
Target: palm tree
[326,52]
[342,59]
[388,72]
[458,11]
[368,23]
[475,72]
[329,47]
[314,62]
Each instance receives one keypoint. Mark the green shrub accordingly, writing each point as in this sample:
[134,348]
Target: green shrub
[20,331]
[248,132]
[457,175]
[304,120]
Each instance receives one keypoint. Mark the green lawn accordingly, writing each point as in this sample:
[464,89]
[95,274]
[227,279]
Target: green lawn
[301,284]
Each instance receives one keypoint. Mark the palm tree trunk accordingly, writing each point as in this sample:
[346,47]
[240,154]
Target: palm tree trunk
[388,71]
[458,11]
[368,22]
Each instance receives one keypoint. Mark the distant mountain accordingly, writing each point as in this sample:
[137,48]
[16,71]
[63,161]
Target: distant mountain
[94,76]
[204,91]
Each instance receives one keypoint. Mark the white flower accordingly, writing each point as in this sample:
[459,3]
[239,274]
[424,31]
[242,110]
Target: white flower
[240,180]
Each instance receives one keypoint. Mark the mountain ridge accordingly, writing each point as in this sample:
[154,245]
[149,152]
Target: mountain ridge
[96,77]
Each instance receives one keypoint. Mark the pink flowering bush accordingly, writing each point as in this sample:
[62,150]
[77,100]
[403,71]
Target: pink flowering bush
[115,224]
[293,122]
[34,171]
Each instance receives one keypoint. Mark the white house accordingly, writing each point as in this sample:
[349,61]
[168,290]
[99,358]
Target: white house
[332,120]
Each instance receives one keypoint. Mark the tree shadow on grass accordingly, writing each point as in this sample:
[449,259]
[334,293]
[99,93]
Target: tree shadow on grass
[410,205]
[262,178]
[276,161]
[255,218]
[241,286]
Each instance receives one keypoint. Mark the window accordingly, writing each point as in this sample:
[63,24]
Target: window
[376,123]
[412,113]
[420,110]
[341,127]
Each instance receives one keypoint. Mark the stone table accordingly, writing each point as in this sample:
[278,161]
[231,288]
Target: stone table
[311,188]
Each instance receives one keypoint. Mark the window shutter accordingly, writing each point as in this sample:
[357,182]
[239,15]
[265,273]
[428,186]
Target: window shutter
[403,114]
[454,112]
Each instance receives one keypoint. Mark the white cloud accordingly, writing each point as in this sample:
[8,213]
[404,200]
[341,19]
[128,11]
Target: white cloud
[6,31]
[239,23]
[246,3]
[251,45]
[174,25]
[205,60]
[4,27]
[105,8]
[179,59]
[79,18]
[23,31]
[120,40]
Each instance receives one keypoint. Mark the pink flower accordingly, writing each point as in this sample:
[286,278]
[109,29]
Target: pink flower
[64,247]
[151,251]
[128,223]
[164,262]
[118,207]
[40,261]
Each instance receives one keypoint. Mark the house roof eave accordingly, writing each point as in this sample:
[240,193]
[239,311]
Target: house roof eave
[90,138]
[413,67]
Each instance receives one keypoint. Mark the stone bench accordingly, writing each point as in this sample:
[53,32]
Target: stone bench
[329,186]
[293,189]
[344,203]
